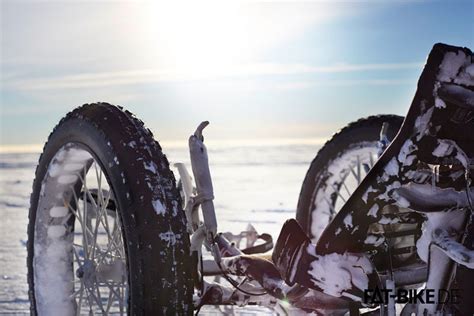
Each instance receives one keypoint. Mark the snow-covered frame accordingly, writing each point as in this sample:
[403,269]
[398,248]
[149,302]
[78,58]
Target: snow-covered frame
[426,169]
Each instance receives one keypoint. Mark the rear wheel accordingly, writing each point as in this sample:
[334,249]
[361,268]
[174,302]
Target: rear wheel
[106,230]
[338,169]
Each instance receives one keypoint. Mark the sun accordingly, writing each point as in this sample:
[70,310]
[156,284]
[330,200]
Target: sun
[211,38]
[199,37]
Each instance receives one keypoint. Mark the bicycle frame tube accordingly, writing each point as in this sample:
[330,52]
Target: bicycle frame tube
[202,176]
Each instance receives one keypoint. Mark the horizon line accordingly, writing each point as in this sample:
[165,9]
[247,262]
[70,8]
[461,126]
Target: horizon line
[175,144]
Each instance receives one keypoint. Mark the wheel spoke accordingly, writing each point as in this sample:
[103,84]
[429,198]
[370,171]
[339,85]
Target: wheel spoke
[359,176]
[114,292]
[355,167]
[120,246]
[77,214]
[84,208]
[99,212]
[105,224]
[371,157]
[353,172]
[108,251]
[79,304]
[109,300]
[76,255]
[99,299]
[89,298]
[338,191]
[76,292]
[121,300]
[101,243]
[331,206]
[98,175]
[343,180]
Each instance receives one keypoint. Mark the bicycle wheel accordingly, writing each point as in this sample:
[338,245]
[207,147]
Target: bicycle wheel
[338,169]
[106,230]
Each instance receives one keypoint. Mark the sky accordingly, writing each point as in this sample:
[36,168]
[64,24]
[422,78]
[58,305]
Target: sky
[256,70]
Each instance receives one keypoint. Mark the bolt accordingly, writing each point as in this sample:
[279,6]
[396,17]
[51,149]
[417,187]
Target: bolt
[80,272]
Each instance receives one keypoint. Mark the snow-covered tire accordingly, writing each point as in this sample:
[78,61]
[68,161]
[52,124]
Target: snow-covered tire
[151,225]
[319,200]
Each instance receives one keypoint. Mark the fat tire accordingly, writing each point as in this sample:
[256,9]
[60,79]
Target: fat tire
[158,269]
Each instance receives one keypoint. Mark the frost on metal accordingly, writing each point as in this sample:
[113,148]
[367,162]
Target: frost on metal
[158,207]
[426,171]
[335,274]
[457,68]
[454,250]
[402,182]
[439,220]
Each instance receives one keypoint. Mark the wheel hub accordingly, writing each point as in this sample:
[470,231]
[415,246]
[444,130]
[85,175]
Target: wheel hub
[87,273]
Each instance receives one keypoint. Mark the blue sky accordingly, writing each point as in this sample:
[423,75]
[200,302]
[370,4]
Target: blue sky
[254,69]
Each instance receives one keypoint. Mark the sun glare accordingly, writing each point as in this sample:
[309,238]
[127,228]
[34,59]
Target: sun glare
[208,38]
[201,37]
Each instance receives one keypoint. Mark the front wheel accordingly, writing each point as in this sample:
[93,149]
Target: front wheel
[337,170]
[106,230]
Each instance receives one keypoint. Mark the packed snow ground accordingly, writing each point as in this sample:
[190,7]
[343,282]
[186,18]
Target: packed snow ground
[252,184]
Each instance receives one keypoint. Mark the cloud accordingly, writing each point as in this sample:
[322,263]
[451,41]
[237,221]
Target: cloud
[136,77]
[300,85]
